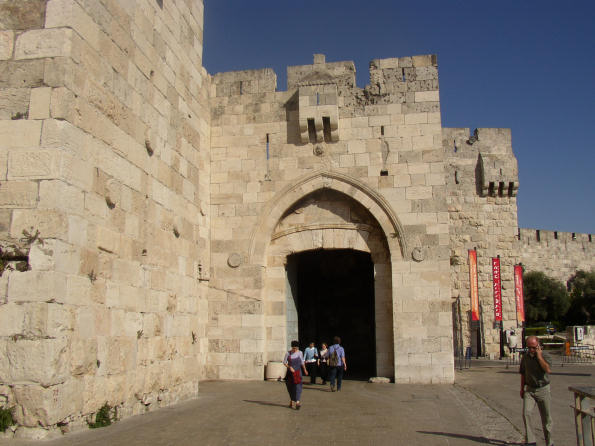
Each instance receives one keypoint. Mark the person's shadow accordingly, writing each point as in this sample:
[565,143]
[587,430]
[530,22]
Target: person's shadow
[482,440]
[266,403]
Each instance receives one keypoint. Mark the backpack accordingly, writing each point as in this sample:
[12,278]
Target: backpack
[334,359]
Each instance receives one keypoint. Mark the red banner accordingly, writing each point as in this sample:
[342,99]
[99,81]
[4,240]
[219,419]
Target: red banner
[497,284]
[473,285]
[518,293]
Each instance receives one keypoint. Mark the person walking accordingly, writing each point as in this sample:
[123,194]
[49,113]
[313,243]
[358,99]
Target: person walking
[311,358]
[294,361]
[323,363]
[337,364]
[535,390]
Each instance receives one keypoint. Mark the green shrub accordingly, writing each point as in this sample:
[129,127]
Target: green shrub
[5,419]
[102,417]
[535,331]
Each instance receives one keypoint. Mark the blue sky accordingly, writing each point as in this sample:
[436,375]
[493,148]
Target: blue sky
[527,65]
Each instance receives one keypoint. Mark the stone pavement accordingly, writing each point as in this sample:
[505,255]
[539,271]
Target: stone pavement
[482,408]
[498,387]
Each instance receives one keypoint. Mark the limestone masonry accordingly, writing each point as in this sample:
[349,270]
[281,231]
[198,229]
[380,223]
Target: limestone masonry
[160,225]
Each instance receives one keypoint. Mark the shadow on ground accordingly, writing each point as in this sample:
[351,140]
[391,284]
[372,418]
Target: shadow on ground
[481,440]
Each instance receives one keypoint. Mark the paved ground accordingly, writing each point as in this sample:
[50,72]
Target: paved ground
[482,408]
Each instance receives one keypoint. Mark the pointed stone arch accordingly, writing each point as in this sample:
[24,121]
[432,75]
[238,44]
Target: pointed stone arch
[377,205]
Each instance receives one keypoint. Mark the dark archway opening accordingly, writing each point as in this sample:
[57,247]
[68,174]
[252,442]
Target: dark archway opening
[333,292]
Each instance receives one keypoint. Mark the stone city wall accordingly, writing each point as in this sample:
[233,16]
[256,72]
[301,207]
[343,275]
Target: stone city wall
[382,147]
[482,180]
[557,254]
[104,208]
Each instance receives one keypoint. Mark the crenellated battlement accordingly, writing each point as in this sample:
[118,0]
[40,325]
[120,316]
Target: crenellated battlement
[233,83]
[496,169]
[558,254]
[531,236]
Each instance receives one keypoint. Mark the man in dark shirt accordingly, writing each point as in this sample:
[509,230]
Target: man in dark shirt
[535,389]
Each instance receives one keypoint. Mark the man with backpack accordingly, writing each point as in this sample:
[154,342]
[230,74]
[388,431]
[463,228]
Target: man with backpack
[337,364]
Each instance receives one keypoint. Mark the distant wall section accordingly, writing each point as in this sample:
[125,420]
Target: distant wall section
[557,254]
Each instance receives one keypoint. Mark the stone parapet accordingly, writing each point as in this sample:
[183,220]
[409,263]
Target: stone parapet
[558,254]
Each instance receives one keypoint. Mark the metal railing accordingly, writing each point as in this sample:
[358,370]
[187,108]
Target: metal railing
[515,355]
[578,354]
[584,414]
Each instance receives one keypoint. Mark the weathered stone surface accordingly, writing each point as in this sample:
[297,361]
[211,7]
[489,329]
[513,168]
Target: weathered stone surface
[46,406]
[21,73]
[22,14]
[14,103]
[22,194]
[42,361]
[43,43]
[6,44]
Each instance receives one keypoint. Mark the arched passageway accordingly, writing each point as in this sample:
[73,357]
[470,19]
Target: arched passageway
[333,294]
[329,273]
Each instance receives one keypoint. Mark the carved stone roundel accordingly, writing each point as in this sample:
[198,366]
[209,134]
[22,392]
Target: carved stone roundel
[234,260]
[417,254]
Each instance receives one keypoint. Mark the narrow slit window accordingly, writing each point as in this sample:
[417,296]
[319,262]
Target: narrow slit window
[491,189]
[403,74]
[555,235]
[317,98]
[456,177]
[311,130]
[381,130]
[241,87]
[500,188]
[326,127]
[454,143]
[267,146]
[573,236]
[538,235]
[510,189]
[519,233]
[590,238]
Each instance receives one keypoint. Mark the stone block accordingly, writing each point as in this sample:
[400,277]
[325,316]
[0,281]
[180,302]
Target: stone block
[67,13]
[47,406]
[36,286]
[39,43]
[42,361]
[56,194]
[6,44]
[20,134]
[39,106]
[22,14]
[33,164]
[418,192]
[14,103]
[22,73]
[83,356]
[416,118]
[12,319]
[427,96]
[18,194]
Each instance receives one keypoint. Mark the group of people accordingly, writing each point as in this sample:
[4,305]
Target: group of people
[329,363]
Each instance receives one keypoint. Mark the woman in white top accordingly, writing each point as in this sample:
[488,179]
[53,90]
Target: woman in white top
[323,362]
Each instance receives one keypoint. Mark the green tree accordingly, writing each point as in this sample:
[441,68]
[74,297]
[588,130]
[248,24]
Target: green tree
[546,299]
[582,299]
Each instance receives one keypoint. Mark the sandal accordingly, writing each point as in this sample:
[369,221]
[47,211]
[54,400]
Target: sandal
[298,405]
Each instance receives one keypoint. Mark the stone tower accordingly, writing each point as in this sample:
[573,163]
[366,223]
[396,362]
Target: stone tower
[104,207]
